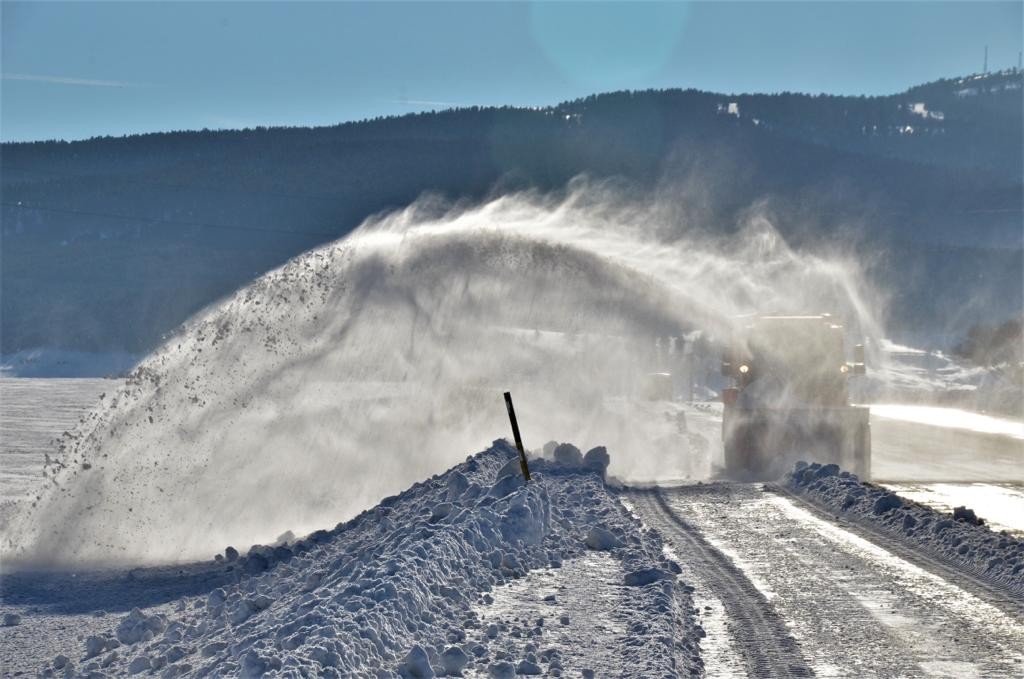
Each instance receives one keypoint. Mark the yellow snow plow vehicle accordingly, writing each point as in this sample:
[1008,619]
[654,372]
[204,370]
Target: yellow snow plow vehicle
[789,398]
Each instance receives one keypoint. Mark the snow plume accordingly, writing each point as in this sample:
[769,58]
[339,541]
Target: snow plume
[370,363]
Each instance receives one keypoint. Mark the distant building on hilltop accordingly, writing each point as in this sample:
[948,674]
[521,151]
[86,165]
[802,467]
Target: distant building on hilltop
[730,109]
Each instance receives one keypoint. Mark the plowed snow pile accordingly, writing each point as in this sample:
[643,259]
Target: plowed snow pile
[403,590]
[960,538]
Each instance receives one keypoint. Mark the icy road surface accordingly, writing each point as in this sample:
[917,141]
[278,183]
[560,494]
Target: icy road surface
[801,594]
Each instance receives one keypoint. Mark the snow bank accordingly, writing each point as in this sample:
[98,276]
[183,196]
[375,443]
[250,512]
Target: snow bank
[392,592]
[959,538]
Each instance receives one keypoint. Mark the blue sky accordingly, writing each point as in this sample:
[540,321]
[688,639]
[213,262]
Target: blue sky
[75,70]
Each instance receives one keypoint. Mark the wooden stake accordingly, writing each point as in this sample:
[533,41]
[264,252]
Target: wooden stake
[515,433]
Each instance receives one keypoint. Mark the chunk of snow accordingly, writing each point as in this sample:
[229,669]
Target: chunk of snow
[453,659]
[568,455]
[417,664]
[527,667]
[457,485]
[137,626]
[139,664]
[600,539]
[597,459]
[645,576]
[886,503]
[506,485]
[441,511]
[94,645]
[215,599]
[502,669]
[246,608]
[512,468]
[967,516]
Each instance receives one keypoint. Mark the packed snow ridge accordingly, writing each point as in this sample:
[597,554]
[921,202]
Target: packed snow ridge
[406,589]
[961,538]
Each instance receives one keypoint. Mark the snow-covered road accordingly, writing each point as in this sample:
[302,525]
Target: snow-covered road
[761,645]
[801,593]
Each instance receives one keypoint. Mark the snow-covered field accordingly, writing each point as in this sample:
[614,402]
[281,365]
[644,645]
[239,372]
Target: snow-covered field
[950,418]
[33,414]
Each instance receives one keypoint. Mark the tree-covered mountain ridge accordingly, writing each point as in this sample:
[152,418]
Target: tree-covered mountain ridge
[110,243]
[923,123]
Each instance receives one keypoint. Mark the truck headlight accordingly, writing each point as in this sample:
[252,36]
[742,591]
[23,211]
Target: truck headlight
[844,369]
[744,369]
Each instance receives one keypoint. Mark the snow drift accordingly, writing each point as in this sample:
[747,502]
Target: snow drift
[400,590]
[367,364]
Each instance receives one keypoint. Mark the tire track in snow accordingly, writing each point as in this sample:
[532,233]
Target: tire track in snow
[974,580]
[855,608]
[759,634]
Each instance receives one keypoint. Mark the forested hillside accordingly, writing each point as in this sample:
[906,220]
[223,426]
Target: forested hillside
[110,243]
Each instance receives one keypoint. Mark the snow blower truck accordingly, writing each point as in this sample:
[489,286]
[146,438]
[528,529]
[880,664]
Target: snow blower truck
[789,399]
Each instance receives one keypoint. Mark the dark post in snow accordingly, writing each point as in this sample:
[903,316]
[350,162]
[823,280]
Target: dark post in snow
[515,433]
